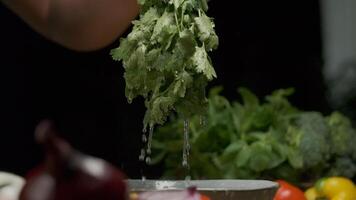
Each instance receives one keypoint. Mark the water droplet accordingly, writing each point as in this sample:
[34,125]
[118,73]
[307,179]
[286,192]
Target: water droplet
[129,100]
[144,138]
[186,145]
[185,163]
[148,160]
[149,151]
[141,158]
[142,155]
[149,142]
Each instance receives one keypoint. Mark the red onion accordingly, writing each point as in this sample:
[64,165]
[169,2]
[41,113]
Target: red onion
[67,174]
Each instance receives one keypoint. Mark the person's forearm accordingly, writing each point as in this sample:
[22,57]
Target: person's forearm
[77,24]
[36,14]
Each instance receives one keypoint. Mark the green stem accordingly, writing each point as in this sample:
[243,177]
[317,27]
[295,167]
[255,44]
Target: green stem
[177,23]
[182,18]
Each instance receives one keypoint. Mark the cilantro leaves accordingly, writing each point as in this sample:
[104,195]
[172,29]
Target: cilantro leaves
[165,58]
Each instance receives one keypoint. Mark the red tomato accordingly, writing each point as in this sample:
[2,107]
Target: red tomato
[286,191]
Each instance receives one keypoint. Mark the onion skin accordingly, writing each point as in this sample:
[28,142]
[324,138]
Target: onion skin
[67,174]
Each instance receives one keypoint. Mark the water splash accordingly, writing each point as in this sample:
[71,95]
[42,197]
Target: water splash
[187,182]
[143,178]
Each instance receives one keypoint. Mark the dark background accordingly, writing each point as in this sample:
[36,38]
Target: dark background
[264,45]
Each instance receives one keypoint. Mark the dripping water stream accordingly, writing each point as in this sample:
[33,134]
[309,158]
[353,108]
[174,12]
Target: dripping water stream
[186,145]
[145,154]
[146,150]
[149,145]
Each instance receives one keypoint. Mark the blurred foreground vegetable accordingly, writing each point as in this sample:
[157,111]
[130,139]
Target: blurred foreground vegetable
[67,174]
[336,188]
[312,194]
[286,191]
[252,140]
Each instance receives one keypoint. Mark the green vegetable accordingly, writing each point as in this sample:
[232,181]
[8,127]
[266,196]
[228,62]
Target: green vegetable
[342,136]
[165,58]
[343,166]
[309,134]
[256,139]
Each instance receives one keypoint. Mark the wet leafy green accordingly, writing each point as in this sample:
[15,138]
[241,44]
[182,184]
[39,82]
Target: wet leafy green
[166,58]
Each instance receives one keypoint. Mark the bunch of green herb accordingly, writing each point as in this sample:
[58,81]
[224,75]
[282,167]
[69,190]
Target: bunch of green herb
[259,140]
[165,58]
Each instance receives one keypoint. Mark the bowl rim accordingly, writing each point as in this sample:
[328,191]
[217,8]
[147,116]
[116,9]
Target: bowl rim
[201,185]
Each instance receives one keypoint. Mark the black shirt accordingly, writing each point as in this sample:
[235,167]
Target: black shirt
[82,92]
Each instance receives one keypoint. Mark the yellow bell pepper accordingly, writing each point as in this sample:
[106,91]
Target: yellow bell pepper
[336,188]
[344,196]
[311,194]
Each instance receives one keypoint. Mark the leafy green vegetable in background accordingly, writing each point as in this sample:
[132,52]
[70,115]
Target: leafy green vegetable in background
[254,140]
[342,135]
[309,135]
[165,58]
